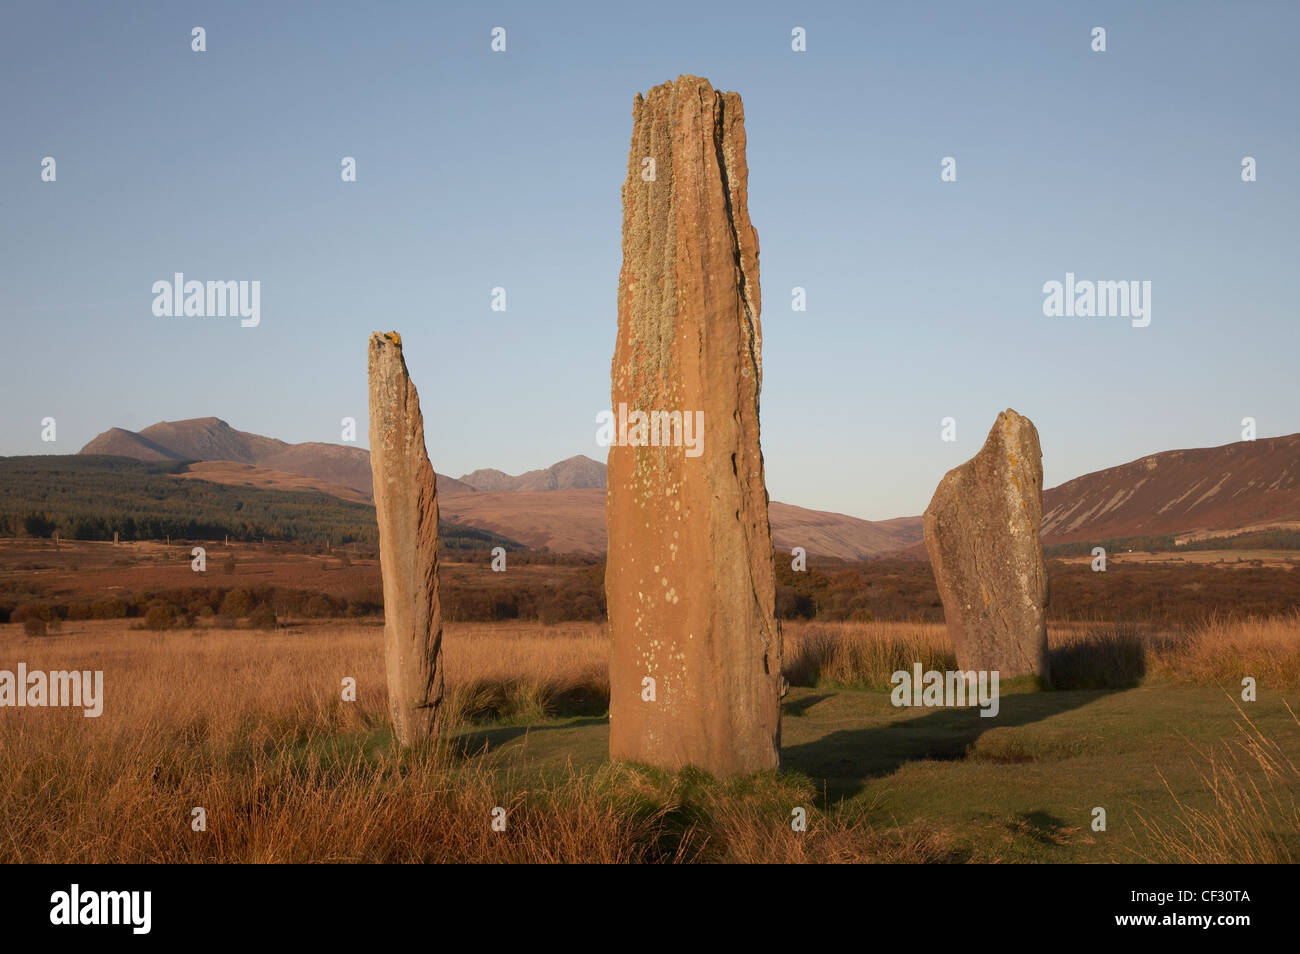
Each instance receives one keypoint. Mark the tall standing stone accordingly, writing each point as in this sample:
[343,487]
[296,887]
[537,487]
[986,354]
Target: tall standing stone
[406,505]
[695,671]
[981,531]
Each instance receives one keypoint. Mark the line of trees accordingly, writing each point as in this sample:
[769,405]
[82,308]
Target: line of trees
[93,497]
[875,590]
[1255,540]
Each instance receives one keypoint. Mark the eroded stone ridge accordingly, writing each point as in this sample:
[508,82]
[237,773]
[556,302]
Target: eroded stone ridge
[406,505]
[982,534]
[695,673]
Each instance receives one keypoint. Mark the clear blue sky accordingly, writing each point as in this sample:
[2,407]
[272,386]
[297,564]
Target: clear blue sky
[478,169]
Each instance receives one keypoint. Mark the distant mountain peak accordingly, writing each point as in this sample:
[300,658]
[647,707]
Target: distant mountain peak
[1176,492]
[574,473]
[212,439]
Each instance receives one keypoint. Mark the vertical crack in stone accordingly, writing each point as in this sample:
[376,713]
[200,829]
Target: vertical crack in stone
[753,335]
[724,150]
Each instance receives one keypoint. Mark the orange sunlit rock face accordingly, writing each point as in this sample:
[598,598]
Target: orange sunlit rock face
[695,674]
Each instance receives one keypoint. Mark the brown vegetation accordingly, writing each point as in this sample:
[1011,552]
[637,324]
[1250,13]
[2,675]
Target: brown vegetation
[1084,655]
[297,774]
[92,580]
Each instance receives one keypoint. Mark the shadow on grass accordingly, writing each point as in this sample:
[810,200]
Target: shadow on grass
[472,743]
[800,707]
[1111,658]
[847,759]
[1042,827]
[841,761]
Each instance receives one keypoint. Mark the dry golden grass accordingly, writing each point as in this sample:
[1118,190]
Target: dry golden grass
[1083,655]
[245,725]
[1218,651]
[864,654]
[229,680]
[251,726]
[525,672]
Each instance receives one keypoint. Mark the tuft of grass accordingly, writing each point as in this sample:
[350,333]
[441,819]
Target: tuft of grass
[862,655]
[1102,656]
[526,701]
[1015,744]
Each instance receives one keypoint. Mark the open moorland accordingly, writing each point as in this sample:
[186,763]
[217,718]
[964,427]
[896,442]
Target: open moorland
[96,580]
[1146,722]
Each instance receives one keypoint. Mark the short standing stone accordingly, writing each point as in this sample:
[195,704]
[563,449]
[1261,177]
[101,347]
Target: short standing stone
[982,534]
[406,505]
[695,669]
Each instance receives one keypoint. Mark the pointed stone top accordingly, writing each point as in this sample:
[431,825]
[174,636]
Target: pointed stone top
[1011,425]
